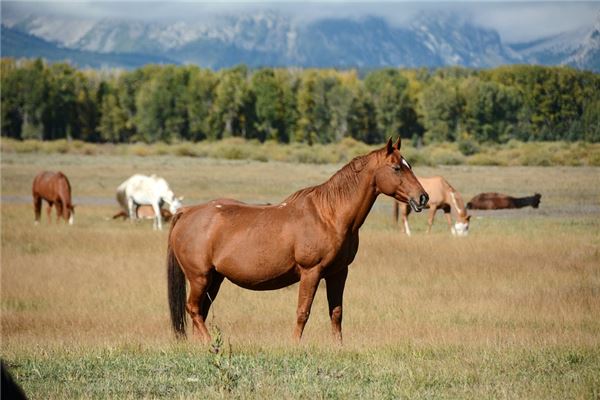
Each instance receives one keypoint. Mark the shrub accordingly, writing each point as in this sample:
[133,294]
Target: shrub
[485,159]
[140,149]
[468,147]
[184,149]
[445,156]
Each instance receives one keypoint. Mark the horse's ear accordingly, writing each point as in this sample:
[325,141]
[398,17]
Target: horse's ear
[398,143]
[389,147]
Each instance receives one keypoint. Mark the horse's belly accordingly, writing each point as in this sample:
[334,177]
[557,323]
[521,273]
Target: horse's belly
[251,282]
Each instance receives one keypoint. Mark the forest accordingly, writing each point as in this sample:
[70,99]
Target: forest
[167,103]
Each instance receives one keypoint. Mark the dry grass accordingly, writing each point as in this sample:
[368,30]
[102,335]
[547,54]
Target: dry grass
[524,282]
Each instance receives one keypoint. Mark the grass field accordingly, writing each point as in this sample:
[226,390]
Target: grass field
[512,311]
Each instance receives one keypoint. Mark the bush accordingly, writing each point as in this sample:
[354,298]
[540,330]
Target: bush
[509,154]
[485,159]
[468,147]
[443,156]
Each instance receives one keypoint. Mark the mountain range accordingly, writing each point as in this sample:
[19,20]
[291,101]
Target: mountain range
[269,38]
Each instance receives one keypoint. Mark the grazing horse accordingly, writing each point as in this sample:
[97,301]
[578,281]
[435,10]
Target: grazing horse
[498,201]
[145,212]
[54,187]
[441,195]
[147,190]
[311,235]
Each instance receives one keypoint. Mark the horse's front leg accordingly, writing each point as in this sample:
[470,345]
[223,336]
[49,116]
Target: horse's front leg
[157,217]
[49,212]
[432,211]
[37,208]
[449,220]
[59,211]
[309,281]
[131,209]
[335,295]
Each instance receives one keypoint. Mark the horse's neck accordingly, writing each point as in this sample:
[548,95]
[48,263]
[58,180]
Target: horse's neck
[457,202]
[350,214]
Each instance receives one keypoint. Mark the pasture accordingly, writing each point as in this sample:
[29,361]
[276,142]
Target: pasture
[511,311]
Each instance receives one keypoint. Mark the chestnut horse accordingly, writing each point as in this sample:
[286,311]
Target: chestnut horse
[443,196]
[498,201]
[54,187]
[311,235]
[145,212]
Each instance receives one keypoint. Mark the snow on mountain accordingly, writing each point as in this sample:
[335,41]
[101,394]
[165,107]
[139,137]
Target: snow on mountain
[587,55]
[265,38]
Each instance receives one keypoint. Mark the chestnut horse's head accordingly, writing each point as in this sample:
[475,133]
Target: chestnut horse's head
[395,178]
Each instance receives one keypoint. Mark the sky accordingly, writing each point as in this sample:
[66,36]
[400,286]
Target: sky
[514,21]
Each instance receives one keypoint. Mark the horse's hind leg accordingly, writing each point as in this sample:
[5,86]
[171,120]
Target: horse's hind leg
[335,295]
[199,284]
[405,211]
[211,293]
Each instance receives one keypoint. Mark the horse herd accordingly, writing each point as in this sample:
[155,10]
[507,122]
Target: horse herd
[311,235]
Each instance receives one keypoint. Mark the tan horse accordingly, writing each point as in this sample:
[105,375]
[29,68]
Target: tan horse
[311,235]
[441,196]
[54,187]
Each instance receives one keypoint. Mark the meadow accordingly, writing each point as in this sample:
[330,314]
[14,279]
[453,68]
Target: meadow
[511,311]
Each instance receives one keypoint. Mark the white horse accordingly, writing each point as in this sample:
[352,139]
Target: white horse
[147,190]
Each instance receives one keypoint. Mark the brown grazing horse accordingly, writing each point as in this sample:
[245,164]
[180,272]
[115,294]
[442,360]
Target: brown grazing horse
[146,212]
[498,201]
[54,187]
[311,235]
[443,196]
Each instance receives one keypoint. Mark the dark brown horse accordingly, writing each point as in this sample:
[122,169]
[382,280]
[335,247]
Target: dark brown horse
[311,235]
[499,201]
[54,187]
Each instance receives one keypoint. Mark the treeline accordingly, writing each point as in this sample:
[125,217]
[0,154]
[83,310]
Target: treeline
[186,103]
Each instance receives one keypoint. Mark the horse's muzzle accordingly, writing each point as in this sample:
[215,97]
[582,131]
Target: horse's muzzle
[417,207]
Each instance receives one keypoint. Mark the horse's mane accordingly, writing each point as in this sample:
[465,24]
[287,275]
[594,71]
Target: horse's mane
[340,187]
[60,174]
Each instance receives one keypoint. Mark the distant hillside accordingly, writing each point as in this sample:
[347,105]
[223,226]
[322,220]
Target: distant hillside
[18,44]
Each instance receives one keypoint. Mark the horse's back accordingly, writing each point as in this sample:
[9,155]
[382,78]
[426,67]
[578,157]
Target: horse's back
[436,187]
[52,185]
[490,201]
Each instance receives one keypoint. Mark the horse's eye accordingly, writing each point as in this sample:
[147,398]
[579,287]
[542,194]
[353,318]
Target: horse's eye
[396,168]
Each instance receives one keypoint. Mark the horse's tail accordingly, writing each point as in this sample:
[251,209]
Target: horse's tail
[176,288]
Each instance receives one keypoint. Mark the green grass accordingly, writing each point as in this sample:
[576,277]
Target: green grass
[404,371]
[512,311]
